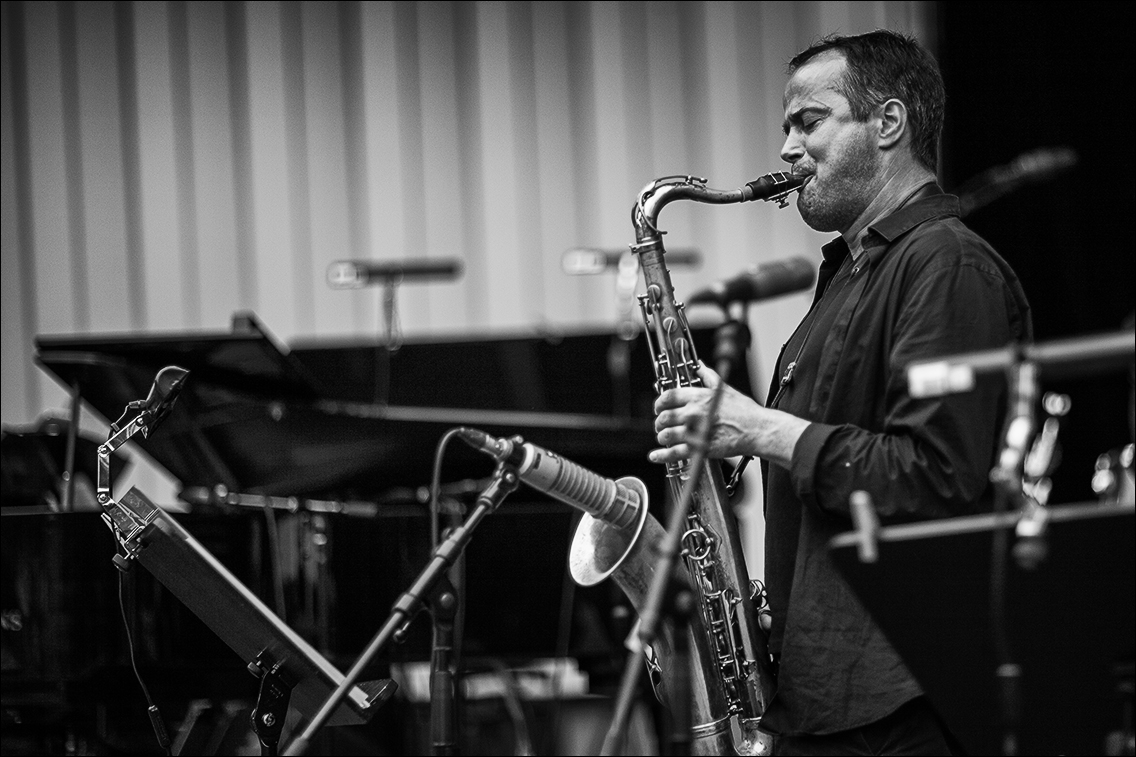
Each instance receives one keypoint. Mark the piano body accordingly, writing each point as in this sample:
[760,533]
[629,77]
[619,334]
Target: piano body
[340,439]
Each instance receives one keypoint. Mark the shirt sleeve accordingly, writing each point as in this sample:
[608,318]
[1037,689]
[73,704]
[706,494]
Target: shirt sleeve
[929,457]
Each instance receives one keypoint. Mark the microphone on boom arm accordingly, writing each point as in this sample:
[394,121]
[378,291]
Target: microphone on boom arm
[615,502]
[354,274]
[1030,167]
[759,282]
[158,403]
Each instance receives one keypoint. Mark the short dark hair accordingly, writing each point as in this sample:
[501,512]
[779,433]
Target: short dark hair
[884,64]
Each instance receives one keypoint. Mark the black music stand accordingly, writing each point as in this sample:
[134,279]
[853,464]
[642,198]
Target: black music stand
[291,671]
[1070,621]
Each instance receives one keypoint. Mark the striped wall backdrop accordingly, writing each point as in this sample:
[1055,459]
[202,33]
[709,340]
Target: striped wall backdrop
[166,164]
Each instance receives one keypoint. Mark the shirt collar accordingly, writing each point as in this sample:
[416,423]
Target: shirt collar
[930,202]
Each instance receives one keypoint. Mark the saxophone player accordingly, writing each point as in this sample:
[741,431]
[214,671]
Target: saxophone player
[903,280]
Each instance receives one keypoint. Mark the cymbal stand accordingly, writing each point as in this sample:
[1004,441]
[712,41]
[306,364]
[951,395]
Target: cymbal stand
[407,606]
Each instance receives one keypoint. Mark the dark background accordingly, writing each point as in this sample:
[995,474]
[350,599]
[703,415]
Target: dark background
[1023,76]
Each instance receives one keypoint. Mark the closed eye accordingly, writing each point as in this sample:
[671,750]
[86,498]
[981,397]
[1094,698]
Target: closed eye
[806,118]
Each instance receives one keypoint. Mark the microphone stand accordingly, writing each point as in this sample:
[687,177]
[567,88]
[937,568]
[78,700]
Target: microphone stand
[669,594]
[407,606]
[1007,476]
[443,712]
[389,344]
[446,601]
[732,338]
[127,524]
[122,523]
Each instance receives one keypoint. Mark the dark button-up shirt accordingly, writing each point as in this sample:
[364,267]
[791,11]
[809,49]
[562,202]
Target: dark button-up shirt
[925,287]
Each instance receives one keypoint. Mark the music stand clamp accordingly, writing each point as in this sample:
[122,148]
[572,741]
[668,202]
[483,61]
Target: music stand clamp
[271,702]
[126,523]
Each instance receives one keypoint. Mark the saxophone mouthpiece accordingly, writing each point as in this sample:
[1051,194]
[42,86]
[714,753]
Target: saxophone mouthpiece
[775,187]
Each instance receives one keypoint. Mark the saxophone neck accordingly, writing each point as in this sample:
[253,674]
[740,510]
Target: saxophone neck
[772,187]
[661,192]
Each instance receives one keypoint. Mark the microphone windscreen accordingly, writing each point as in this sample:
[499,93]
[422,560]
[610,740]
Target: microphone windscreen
[761,282]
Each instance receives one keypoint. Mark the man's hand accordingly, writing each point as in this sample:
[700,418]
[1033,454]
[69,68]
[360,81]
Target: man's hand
[743,427]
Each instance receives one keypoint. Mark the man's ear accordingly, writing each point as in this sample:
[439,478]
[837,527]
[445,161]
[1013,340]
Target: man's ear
[893,123]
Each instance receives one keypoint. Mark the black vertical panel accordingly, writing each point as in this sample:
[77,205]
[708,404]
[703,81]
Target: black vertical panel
[236,50]
[184,161]
[73,161]
[1023,76]
[131,160]
[25,229]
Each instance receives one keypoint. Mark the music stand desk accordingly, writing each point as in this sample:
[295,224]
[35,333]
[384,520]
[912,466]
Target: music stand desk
[240,619]
[1070,621]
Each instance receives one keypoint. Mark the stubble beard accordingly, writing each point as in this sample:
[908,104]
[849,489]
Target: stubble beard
[834,202]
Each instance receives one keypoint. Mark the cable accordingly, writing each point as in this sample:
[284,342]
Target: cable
[563,636]
[459,589]
[152,710]
[512,698]
[435,538]
[436,485]
[277,568]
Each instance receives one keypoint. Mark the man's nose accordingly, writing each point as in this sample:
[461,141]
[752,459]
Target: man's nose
[792,150]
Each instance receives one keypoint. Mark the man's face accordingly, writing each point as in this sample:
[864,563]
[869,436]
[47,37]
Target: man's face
[824,142]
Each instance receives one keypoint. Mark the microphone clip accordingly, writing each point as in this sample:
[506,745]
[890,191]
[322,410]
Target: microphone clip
[150,412]
[158,403]
[136,406]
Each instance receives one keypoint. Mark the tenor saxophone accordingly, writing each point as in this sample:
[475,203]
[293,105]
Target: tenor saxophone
[731,670]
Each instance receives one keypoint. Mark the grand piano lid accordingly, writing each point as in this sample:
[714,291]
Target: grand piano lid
[33,460]
[255,418]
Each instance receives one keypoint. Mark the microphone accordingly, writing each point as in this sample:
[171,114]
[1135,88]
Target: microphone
[1037,165]
[614,502]
[354,274]
[760,282]
[584,261]
[163,393]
